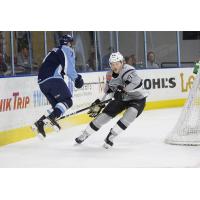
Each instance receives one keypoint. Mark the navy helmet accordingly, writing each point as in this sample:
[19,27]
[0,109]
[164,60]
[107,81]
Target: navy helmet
[65,39]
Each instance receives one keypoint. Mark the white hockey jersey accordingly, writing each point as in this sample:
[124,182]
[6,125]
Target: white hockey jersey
[128,79]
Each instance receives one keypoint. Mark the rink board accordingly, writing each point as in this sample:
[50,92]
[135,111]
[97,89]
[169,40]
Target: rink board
[21,101]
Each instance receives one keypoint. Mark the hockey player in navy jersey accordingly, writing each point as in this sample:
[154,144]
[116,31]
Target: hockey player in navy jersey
[59,61]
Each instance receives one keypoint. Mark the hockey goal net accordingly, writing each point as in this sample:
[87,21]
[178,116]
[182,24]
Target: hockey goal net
[187,128]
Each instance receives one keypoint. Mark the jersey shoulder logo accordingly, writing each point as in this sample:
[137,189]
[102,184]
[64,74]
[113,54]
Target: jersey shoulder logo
[54,49]
[130,77]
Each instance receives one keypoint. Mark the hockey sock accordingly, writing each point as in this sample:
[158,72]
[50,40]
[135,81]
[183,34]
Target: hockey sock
[118,128]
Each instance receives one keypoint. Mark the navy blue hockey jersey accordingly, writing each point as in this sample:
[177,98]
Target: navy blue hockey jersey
[59,61]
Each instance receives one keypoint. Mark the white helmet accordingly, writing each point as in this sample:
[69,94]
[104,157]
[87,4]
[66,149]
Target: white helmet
[116,57]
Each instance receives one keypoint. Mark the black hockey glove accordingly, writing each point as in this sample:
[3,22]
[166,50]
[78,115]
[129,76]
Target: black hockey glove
[79,82]
[96,108]
[119,93]
[109,91]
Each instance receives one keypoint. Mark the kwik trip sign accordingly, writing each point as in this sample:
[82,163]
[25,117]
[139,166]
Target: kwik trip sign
[15,102]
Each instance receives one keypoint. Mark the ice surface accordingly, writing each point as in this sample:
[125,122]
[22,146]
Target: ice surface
[141,145]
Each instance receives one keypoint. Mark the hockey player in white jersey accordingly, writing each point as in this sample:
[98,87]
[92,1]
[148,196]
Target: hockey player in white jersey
[126,88]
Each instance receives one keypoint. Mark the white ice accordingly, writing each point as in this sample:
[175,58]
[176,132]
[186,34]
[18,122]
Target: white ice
[141,145]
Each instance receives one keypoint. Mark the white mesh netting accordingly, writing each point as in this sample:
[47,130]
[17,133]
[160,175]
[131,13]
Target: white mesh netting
[187,128]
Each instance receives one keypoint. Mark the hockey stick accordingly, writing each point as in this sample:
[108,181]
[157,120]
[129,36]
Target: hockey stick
[81,110]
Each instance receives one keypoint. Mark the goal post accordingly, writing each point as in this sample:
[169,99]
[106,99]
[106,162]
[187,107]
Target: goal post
[187,129]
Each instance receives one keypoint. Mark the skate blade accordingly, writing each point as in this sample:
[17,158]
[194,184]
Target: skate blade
[37,134]
[106,146]
[55,128]
[76,144]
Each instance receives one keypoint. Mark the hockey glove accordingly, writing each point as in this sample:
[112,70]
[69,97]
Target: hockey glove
[109,91]
[119,93]
[79,82]
[96,108]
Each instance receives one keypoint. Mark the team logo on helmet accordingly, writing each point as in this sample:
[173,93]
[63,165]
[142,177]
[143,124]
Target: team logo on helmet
[65,39]
[116,57]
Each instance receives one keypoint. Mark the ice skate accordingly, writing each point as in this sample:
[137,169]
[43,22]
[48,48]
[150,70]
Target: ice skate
[54,124]
[82,138]
[109,141]
[38,128]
